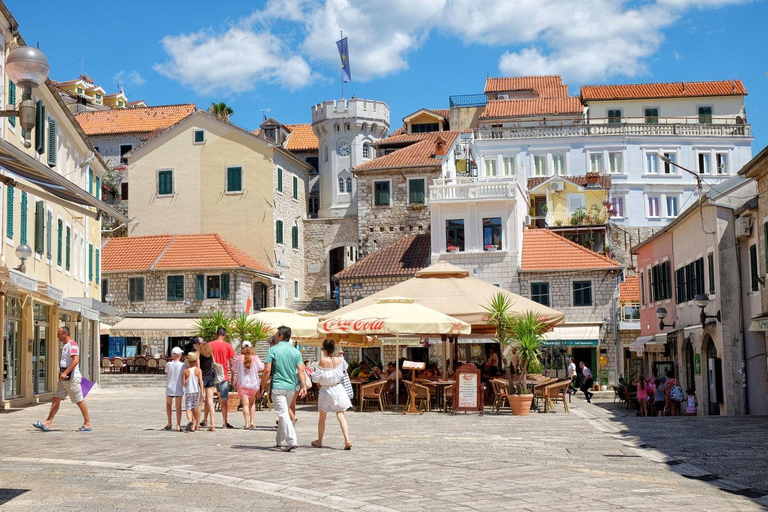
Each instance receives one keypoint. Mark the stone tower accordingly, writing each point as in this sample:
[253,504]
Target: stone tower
[345,131]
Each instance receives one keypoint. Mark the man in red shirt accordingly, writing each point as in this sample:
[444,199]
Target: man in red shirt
[223,354]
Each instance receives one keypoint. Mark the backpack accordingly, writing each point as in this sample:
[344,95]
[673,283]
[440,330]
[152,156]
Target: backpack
[676,394]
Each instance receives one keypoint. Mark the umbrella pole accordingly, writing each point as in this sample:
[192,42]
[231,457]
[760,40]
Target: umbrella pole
[397,367]
[444,350]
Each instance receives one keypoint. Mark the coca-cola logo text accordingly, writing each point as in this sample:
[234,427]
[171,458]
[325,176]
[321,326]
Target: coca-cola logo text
[359,325]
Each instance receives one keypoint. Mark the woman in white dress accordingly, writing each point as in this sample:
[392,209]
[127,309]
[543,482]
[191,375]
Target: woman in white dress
[333,397]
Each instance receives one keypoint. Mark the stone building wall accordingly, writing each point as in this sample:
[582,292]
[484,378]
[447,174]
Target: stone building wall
[381,225]
[354,289]
[497,267]
[623,238]
[320,237]
[108,146]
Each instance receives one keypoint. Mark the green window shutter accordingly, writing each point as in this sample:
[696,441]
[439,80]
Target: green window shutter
[97,186]
[12,100]
[59,225]
[199,287]
[279,232]
[98,266]
[416,191]
[23,220]
[295,237]
[165,183]
[68,247]
[234,179]
[295,187]
[40,127]
[90,262]
[52,147]
[175,288]
[90,180]
[39,227]
[225,286]
[49,236]
[279,179]
[9,214]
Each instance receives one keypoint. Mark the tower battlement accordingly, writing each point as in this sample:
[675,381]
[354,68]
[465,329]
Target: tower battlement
[357,108]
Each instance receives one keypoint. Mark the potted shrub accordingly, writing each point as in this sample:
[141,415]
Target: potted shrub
[490,247]
[452,248]
[525,334]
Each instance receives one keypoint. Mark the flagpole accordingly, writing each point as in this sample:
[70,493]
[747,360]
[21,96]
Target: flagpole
[341,36]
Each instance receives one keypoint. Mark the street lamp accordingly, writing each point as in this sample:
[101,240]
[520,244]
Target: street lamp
[661,314]
[702,301]
[110,298]
[28,68]
[23,252]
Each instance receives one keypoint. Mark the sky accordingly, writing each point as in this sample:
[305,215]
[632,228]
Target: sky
[280,57]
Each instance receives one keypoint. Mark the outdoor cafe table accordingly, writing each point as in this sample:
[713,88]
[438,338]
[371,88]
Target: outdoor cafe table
[357,385]
[440,385]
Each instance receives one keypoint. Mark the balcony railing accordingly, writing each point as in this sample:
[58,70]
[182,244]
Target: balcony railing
[469,189]
[628,126]
[468,100]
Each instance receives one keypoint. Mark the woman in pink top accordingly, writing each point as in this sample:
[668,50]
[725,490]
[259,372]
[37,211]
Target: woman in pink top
[247,367]
[642,394]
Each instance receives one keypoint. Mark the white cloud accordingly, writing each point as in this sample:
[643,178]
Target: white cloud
[130,78]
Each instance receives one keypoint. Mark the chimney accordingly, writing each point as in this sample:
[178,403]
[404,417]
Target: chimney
[439,147]
[683,86]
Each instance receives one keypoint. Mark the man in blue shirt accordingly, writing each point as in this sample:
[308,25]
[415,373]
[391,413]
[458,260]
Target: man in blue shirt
[288,370]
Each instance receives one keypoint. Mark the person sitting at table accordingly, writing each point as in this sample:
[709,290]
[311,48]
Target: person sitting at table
[361,372]
[376,374]
[435,370]
[393,374]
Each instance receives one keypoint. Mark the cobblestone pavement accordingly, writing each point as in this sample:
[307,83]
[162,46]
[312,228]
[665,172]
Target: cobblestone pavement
[591,458]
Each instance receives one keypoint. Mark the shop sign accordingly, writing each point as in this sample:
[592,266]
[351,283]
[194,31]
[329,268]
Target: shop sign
[468,395]
[763,325]
[570,343]
[19,280]
[70,305]
[90,314]
[697,364]
[54,293]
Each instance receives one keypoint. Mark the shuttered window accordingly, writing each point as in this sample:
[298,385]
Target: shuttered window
[295,187]
[416,191]
[98,266]
[49,236]
[295,237]
[165,183]
[97,187]
[9,213]
[175,292]
[225,286]
[711,265]
[279,232]
[39,227]
[12,100]
[23,220]
[52,146]
[39,127]
[67,247]
[59,241]
[199,287]
[136,289]
[234,179]
[90,180]
[279,179]
[753,268]
[381,193]
[90,262]
[642,288]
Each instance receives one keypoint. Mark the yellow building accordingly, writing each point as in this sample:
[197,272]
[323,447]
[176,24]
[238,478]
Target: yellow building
[82,94]
[573,206]
[49,202]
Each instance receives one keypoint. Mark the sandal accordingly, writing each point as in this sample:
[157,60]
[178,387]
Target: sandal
[167,427]
[39,424]
[84,429]
[316,444]
[211,429]
[348,446]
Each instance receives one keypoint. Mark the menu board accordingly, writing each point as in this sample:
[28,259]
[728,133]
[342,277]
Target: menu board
[468,396]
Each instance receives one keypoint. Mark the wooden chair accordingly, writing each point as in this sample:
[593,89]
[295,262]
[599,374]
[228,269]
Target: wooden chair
[117,365]
[152,365]
[539,389]
[554,393]
[141,364]
[161,364]
[106,365]
[372,392]
[423,397]
[500,392]
[448,397]
[129,366]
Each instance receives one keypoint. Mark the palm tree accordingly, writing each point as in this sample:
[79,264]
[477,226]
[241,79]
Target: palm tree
[221,111]
[248,329]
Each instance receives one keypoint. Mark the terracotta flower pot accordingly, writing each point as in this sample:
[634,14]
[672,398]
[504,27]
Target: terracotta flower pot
[233,402]
[520,404]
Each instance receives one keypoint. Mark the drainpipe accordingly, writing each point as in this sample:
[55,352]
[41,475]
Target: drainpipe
[741,332]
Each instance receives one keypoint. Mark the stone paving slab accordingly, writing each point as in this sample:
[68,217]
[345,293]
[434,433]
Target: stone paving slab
[431,462]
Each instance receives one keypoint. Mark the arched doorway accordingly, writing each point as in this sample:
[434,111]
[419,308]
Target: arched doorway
[690,371]
[339,259]
[260,294]
[714,377]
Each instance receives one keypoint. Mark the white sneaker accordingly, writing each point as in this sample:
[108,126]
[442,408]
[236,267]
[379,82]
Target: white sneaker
[287,448]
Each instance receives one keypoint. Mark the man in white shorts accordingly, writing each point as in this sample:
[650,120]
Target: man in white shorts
[69,383]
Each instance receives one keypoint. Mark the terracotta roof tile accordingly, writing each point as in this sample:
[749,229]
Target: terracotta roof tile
[532,107]
[133,120]
[171,252]
[663,90]
[445,112]
[605,181]
[403,257]
[629,290]
[551,83]
[421,152]
[302,138]
[545,250]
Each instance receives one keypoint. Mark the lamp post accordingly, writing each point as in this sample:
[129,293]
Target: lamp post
[702,301]
[23,252]
[110,298]
[661,314]
[28,68]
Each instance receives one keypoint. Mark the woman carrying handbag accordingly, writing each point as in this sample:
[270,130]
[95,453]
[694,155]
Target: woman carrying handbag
[333,396]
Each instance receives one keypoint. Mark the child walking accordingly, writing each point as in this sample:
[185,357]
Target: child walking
[193,383]
[642,395]
[174,388]
[693,404]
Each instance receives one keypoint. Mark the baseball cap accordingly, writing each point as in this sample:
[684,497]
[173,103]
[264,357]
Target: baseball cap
[247,344]
[177,351]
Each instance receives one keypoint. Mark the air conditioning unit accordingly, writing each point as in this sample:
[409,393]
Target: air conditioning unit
[502,96]
[743,227]
[527,220]
[556,186]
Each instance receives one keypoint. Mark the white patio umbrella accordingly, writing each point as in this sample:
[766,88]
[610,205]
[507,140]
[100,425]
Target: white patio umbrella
[304,327]
[394,315]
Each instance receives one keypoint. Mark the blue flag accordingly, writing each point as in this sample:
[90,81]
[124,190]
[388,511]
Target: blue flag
[344,54]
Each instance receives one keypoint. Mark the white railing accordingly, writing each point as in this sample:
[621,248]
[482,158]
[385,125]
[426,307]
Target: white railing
[468,189]
[582,130]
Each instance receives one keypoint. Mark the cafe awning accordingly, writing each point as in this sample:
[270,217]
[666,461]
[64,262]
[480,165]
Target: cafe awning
[140,325]
[16,162]
[649,344]
[573,336]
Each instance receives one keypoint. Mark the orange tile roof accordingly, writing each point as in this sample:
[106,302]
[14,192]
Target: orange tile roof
[172,252]
[532,107]
[550,86]
[663,90]
[302,138]
[445,112]
[133,120]
[403,257]
[629,290]
[545,250]
[421,152]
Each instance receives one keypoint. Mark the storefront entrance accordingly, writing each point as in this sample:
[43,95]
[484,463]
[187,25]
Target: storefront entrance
[690,381]
[12,349]
[39,348]
[714,378]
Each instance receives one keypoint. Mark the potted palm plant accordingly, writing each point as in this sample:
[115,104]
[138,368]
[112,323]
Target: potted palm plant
[525,334]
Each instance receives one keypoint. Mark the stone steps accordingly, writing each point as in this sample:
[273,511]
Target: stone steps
[122,380]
